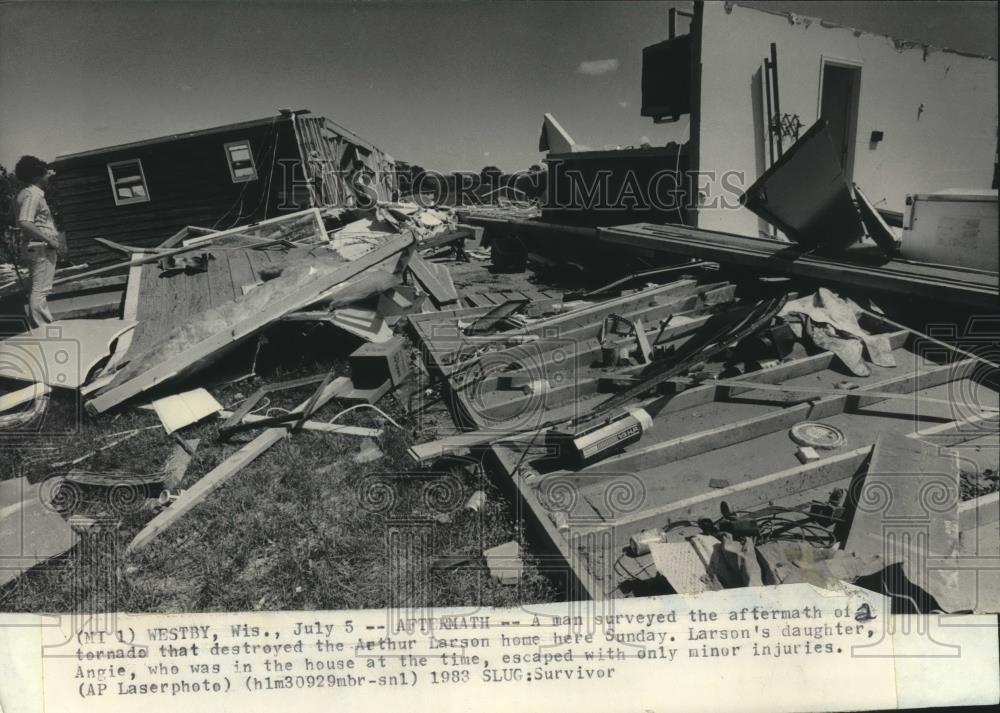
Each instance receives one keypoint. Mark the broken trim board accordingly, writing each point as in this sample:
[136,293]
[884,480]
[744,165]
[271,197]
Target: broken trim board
[436,279]
[177,463]
[217,477]
[60,354]
[20,397]
[302,296]
[179,410]
[364,323]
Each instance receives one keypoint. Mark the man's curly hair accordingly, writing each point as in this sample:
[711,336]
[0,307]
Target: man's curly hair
[30,168]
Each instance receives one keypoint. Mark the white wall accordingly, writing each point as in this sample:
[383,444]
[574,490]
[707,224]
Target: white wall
[951,143]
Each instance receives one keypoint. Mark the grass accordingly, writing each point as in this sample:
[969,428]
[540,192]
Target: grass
[303,527]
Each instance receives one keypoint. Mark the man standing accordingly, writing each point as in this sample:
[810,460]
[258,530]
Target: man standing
[38,228]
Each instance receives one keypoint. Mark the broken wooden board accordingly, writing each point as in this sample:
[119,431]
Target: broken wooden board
[162,303]
[177,463]
[906,511]
[436,279]
[192,346]
[218,476]
[875,225]
[706,432]
[31,532]
[60,354]
[855,267]
[365,323]
[13,399]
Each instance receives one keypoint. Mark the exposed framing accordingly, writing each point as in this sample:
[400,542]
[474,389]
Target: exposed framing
[588,555]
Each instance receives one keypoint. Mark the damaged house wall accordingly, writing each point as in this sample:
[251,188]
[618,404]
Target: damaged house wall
[139,194]
[936,109]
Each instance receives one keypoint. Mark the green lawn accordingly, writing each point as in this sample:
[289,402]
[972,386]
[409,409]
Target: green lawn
[303,527]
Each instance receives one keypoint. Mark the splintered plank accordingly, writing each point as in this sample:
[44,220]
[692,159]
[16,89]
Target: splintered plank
[436,279]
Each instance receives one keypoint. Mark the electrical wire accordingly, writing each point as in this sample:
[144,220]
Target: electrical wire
[382,413]
[239,199]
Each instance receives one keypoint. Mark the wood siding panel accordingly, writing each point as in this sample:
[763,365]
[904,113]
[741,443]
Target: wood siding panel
[189,183]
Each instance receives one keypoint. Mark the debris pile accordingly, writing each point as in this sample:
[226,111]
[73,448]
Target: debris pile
[739,413]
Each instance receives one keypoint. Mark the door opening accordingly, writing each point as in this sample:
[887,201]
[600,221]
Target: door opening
[839,91]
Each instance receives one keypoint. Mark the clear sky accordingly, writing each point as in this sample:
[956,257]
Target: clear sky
[451,86]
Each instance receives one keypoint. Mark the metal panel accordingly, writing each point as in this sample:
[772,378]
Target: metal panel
[805,194]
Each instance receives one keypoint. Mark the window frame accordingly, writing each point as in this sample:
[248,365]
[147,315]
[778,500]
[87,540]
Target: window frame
[119,201]
[242,143]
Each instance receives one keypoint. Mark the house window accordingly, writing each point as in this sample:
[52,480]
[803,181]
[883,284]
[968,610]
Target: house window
[128,182]
[240,159]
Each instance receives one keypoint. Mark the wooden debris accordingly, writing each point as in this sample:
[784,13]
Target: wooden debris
[372,364]
[219,475]
[807,454]
[365,323]
[436,279]
[13,399]
[931,282]
[192,346]
[178,461]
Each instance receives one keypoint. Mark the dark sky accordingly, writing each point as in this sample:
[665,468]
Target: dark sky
[453,86]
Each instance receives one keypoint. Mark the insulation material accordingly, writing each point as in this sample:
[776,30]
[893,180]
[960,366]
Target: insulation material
[180,410]
[832,323]
[60,354]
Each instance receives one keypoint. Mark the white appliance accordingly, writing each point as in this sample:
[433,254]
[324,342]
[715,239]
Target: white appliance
[956,227]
